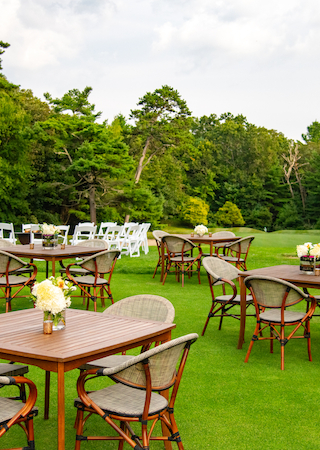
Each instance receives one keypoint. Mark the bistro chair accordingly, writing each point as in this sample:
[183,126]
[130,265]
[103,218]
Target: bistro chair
[272,297]
[237,252]
[13,412]
[179,258]
[9,278]
[97,266]
[221,273]
[135,397]
[94,243]
[143,306]
[158,234]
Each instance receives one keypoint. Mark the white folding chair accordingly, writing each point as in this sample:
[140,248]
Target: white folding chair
[32,227]
[83,232]
[103,228]
[65,230]
[9,232]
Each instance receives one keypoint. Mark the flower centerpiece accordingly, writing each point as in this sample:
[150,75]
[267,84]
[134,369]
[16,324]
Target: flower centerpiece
[49,235]
[201,230]
[309,255]
[52,296]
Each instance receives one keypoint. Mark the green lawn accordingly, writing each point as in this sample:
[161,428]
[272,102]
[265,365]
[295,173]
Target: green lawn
[222,402]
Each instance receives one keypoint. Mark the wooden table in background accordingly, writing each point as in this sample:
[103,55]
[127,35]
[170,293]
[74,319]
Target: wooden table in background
[88,336]
[290,273]
[53,255]
[206,239]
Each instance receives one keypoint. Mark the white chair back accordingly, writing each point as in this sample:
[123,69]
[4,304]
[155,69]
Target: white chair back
[103,228]
[83,232]
[9,236]
[64,231]
[32,227]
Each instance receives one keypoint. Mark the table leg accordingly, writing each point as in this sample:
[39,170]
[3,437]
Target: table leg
[47,395]
[211,248]
[61,408]
[242,312]
[53,267]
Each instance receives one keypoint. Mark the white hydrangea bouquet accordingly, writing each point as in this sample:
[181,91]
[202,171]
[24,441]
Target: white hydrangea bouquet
[309,255]
[52,296]
[201,230]
[308,249]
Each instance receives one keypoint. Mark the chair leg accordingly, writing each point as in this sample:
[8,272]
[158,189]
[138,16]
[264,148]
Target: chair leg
[221,318]
[271,341]
[282,347]
[256,331]
[208,318]
[309,340]
[79,421]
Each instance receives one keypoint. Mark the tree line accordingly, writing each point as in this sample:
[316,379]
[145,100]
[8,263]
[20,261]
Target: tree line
[59,164]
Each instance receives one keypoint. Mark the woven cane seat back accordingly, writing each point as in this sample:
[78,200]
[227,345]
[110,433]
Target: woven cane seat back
[269,292]
[217,268]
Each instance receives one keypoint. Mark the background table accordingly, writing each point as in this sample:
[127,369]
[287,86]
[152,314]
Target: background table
[290,273]
[206,239]
[53,255]
[88,336]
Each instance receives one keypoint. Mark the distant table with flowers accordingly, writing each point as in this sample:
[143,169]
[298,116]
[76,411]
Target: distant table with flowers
[196,239]
[88,336]
[52,254]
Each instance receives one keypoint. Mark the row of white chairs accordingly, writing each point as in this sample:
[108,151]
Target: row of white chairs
[127,238]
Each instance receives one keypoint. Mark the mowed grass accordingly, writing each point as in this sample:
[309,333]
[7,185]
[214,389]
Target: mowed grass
[223,403]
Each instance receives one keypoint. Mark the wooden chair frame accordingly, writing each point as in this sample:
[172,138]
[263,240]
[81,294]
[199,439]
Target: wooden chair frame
[279,334]
[98,283]
[180,260]
[24,417]
[118,374]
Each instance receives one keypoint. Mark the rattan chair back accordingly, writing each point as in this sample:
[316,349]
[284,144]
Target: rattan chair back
[96,243]
[100,262]
[10,263]
[218,269]
[162,362]
[144,306]
[272,292]
[177,244]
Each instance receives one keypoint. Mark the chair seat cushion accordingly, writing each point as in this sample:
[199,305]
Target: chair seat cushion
[12,370]
[274,315]
[89,280]
[185,259]
[225,298]
[107,361]
[13,280]
[77,271]
[231,258]
[8,408]
[124,400]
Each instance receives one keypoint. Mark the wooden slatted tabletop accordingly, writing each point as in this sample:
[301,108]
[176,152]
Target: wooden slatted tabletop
[88,336]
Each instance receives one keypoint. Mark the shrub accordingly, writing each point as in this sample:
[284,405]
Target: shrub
[196,211]
[229,215]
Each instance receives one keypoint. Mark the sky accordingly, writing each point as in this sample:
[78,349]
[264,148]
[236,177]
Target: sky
[258,58]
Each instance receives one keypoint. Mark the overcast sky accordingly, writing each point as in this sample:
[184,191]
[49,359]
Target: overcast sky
[259,58]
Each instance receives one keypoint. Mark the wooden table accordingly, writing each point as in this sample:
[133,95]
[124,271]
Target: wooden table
[290,273]
[88,336]
[53,255]
[206,239]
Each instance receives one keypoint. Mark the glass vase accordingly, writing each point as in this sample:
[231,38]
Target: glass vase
[49,241]
[58,320]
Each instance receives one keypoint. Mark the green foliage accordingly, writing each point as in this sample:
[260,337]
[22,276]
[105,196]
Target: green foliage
[313,134]
[196,211]
[3,45]
[229,215]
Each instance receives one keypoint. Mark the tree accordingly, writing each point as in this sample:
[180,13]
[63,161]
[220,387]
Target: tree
[3,45]
[162,123]
[229,215]
[313,134]
[88,162]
